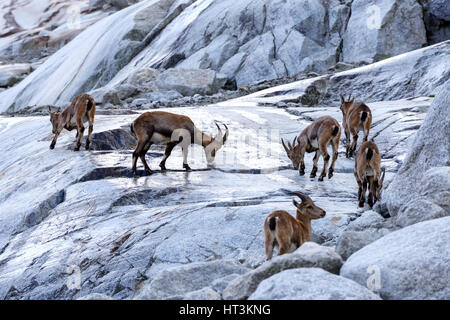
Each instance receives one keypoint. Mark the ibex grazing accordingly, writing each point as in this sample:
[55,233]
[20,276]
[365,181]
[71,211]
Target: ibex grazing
[172,129]
[315,138]
[289,233]
[367,171]
[80,111]
[356,116]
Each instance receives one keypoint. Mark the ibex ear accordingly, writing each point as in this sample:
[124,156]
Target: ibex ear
[296,204]
[342,99]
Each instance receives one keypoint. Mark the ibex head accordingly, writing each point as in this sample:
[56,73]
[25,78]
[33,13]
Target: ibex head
[346,103]
[307,207]
[293,152]
[54,119]
[216,143]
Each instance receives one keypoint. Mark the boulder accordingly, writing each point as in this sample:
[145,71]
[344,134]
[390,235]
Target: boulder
[180,280]
[188,82]
[417,211]
[428,150]
[310,284]
[106,95]
[351,241]
[413,74]
[8,79]
[435,185]
[381,29]
[411,263]
[308,255]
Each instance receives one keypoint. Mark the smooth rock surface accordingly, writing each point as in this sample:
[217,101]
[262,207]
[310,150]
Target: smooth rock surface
[428,150]
[411,263]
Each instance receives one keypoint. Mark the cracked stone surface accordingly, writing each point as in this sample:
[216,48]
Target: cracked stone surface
[74,224]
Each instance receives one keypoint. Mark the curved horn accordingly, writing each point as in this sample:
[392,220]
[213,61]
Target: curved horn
[383,172]
[302,196]
[284,145]
[225,136]
[49,109]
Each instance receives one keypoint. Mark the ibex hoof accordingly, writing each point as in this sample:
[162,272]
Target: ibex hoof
[76,149]
[321,178]
[52,146]
[186,166]
[361,204]
[163,167]
[330,174]
[148,171]
[302,173]
[312,175]
[87,147]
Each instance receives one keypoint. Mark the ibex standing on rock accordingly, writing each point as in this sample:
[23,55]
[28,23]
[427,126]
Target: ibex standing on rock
[315,138]
[288,232]
[172,129]
[356,116]
[367,171]
[80,111]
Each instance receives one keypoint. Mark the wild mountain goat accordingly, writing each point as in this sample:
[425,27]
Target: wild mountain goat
[172,129]
[356,117]
[367,171]
[288,232]
[80,111]
[315,138]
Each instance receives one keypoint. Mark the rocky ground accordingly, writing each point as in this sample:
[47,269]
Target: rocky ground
[78,225]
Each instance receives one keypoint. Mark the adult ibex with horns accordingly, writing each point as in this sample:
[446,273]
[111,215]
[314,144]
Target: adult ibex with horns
[356,116]
[315,138]
[367,171]
[289,233]
[172,129]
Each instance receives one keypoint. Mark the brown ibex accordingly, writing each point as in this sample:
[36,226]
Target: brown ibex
[367,171]
[172,129]
[315,138]
[80,111]
[289,233]
[356,116]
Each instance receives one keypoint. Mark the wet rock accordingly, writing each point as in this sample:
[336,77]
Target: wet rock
[310,284]
[308,255]
[373,30]
[395,265]
[183,279]
[428,150]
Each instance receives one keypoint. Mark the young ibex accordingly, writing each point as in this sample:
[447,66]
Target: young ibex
[367,171]
[172,129]
[81,110]
[289,233]
[315,138]
[356,116]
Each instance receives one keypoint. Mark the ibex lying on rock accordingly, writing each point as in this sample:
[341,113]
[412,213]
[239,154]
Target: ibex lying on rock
[356,117]
[172,129]
[80,111]
[315,138]
[288,232]
[367,171]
